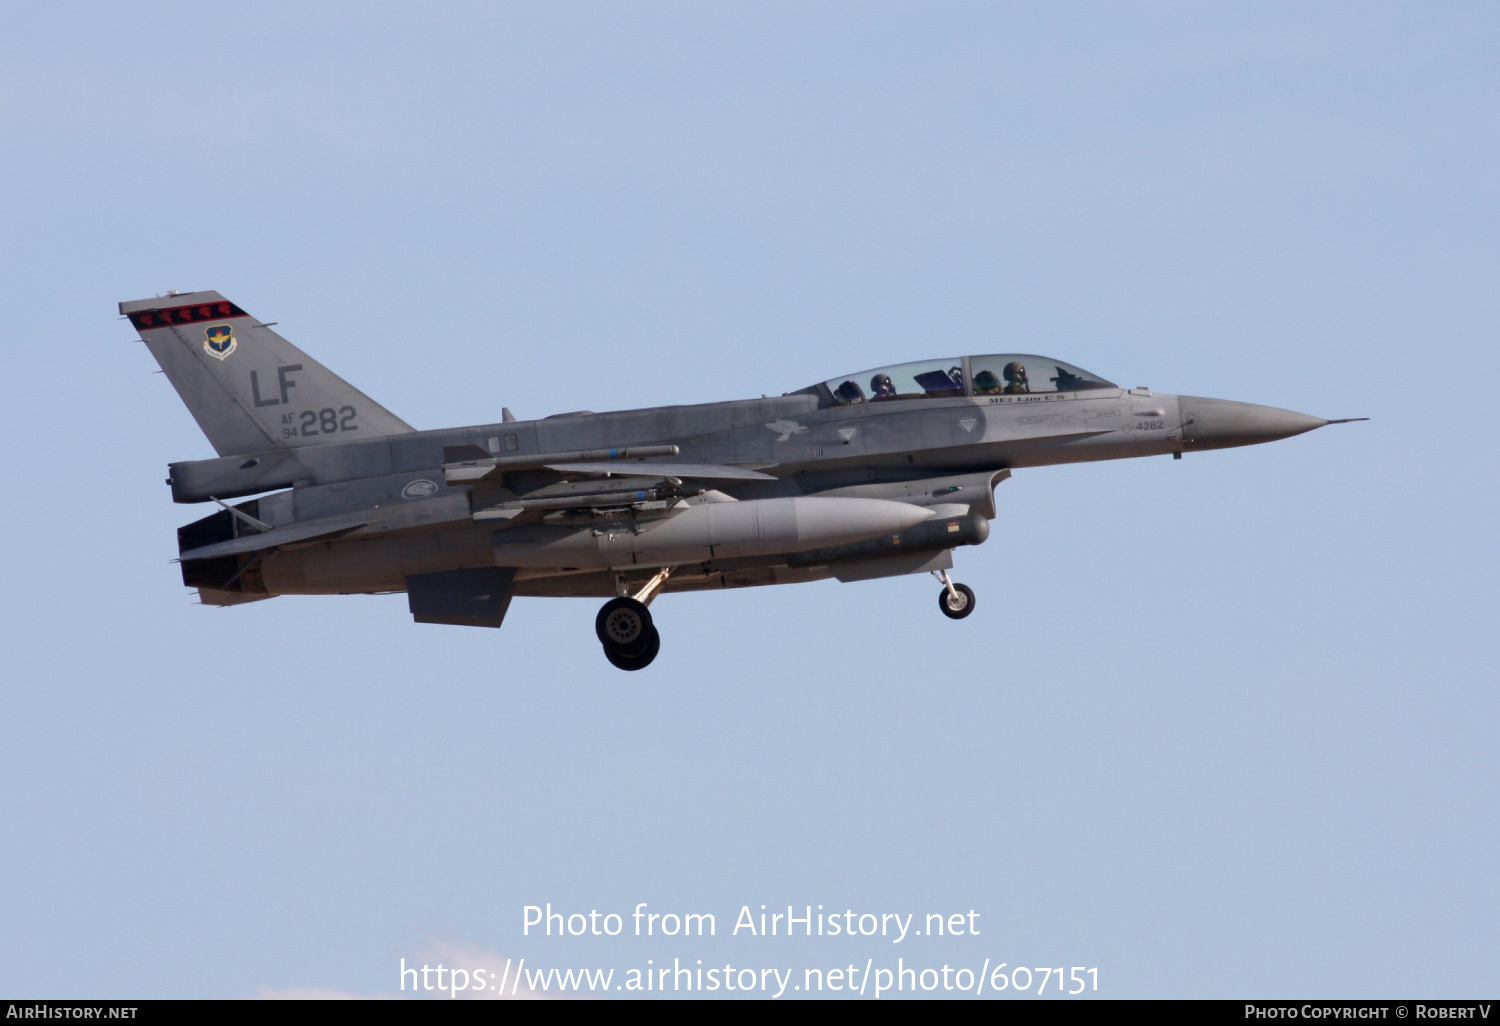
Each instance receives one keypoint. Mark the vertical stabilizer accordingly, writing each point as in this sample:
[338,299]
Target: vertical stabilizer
[249,389]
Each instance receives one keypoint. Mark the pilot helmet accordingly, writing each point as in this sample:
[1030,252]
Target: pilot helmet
[985,381]
[880,384]
[849,392]
[1014,373]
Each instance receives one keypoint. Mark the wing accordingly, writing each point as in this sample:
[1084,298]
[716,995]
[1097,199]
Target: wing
[695,471]
[469,464]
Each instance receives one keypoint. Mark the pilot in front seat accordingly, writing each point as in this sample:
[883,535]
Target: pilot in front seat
[881,388]
[1015,379]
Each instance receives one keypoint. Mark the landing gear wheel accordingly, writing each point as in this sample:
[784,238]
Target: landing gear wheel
[634,662]
[624,625]
[956,607]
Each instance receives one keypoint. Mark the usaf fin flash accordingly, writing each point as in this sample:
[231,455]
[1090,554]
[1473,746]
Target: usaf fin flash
[867,475]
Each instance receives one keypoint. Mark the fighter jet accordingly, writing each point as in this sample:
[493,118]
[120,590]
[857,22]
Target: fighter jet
[875,474]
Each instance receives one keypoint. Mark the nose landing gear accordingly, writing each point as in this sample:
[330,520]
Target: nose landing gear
[955,600]
[625,629]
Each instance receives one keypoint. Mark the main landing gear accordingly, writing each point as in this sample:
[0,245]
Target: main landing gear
[955,600]
[631,642]
[625,629]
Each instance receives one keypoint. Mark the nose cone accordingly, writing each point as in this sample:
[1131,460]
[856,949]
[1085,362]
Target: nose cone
[1221,423]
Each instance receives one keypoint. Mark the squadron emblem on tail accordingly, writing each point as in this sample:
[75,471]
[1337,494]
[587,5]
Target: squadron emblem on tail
[219,341]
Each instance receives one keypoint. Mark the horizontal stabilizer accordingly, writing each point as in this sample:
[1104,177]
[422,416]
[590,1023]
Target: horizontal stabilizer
[697,471]
[289,535]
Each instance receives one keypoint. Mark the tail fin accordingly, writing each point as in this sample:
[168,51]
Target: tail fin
[249,389]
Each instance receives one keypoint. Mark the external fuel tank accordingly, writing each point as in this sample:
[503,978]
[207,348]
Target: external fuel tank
[710,530]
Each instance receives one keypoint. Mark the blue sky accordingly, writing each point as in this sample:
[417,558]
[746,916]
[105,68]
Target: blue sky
[1219,727]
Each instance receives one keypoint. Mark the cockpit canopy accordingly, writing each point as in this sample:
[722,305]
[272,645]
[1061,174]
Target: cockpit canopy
[1002,374]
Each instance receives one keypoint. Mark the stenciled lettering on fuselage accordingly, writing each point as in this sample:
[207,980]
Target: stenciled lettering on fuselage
[1043,397]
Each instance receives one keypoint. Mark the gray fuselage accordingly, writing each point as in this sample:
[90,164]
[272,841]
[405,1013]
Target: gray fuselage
[945,454]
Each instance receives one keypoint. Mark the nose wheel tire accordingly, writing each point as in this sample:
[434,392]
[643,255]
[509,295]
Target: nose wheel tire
[625,661]
[624,625]
[956,606]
